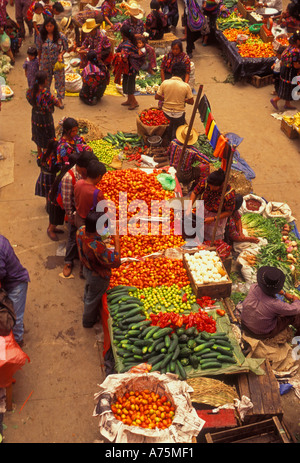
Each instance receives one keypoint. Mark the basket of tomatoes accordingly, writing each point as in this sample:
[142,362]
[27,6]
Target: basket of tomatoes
[151,122]
[146,407]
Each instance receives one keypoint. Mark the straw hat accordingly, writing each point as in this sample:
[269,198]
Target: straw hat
[89,25]
[181,134]
[135,10]
[65,23]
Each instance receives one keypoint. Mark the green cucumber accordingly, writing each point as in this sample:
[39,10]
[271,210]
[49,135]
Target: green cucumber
[194,361]
[210,355]
[210,364]
[167,341]
[156,366]
[172,366]
[203,352]
[152,332]
[162,332]
[159,346]
[139,325]
[203,346]
[136,318]
[166,360]
[223,350]
[222,343]
[176,353]
[132,312]
[156,358]
[182,372]
[173,342]
[226,358]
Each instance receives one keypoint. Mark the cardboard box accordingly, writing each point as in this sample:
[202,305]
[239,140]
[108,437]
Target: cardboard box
[266,37]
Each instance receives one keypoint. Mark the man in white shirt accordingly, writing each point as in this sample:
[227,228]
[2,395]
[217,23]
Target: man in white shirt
[175,94]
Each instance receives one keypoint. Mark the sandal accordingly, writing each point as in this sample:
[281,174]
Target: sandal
[133,107]
[125,103]
[67,270]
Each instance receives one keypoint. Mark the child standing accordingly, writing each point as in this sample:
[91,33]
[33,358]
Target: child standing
[31,65]
[276,69]
[37,19]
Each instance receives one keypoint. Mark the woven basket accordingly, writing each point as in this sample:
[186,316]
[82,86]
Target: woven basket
[212,392]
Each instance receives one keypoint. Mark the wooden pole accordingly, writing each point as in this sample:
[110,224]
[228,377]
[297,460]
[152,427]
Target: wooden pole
[228,169]
[191,123]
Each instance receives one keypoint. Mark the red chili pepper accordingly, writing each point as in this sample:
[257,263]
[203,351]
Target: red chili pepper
[221,312]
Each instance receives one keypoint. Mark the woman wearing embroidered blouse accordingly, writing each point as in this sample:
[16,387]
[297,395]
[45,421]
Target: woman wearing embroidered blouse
[43,103]
[52,45]
[174,56]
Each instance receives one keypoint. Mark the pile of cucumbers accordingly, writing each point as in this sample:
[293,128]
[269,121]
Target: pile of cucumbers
[120,139]
[137,341]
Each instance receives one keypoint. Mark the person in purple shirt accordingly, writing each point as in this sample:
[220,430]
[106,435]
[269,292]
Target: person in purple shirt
[14,280]
[263,314]
[31,66]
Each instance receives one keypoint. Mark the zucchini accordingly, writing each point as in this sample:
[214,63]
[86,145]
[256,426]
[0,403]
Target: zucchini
[136,350]
[203,346]
[172,366]
[162,332]
[167,341]
[152,332]
[226,358]
[156,358]
[159,346]
[176,353]
[223,350]
[156,366]
[205,336]
[181,369]
[133,332]
[173,343]
[153,345]
[114,289]
[140,325]
[204,351]
[210,355]
[222,343]
[166,360]
[132,312]
[135,318]
[210,364]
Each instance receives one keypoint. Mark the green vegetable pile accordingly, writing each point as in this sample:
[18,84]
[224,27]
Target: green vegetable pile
[268,228]
[120,139]
[104,150]
[233,21]
[166,349]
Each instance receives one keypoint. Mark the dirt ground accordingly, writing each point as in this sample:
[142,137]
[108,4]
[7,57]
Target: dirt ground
[65,359]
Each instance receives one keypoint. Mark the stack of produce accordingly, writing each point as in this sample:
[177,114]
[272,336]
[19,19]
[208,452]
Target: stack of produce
[145,409]
[194,342]
[150,272]
[153,117]
[104,150]
[256,49]
[122,139]
[282,250]
[206,267]
[234,21]
[293,120]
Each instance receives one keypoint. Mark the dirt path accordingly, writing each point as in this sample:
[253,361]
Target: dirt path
[66,363]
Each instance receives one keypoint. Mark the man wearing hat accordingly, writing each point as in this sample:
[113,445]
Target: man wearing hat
[263,314]
[71,30]
[186,172]
[134,21]
[175,94]
[95,40]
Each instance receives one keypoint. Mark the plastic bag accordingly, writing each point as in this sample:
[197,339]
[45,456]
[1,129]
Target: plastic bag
[166,181]
[12,359]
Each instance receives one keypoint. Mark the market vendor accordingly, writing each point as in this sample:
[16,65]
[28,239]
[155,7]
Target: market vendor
[150,63]
[174,94]
[186,173]
[290,18]
[210,191]
[263,314]
[97,260]
[109,10]
[234,228]
[95,78]
[95,40]
[134,22]
[175,55]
